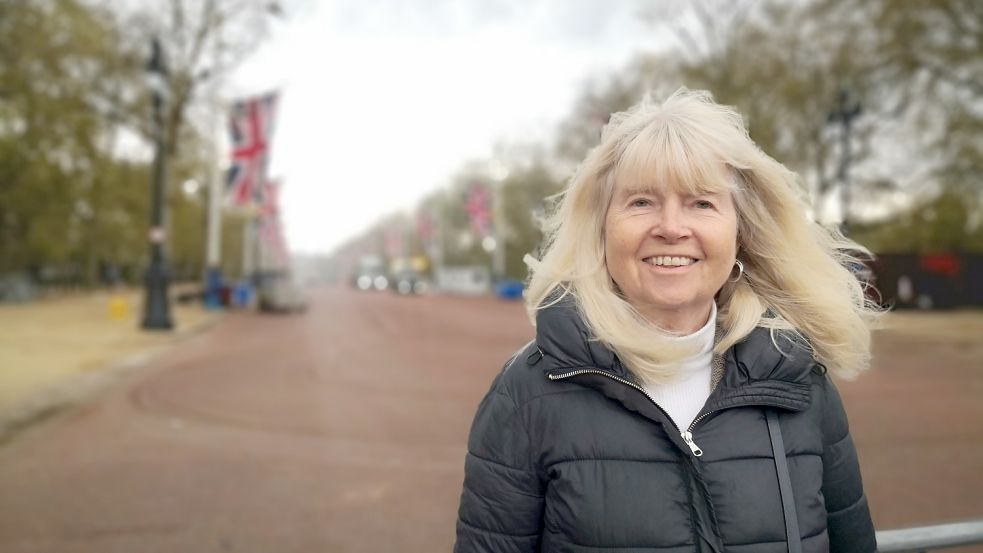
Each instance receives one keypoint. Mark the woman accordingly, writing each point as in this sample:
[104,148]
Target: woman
[675,397]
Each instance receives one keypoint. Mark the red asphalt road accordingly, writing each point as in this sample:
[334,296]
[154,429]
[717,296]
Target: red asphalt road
[344,430]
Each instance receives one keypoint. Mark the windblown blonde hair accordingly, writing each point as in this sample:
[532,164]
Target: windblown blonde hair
[796,275]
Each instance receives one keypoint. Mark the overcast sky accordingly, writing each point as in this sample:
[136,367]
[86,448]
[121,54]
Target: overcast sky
[382,100]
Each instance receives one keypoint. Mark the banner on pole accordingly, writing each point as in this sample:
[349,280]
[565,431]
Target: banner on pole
[251,126]
[425,228]
[394,243]
[270,229]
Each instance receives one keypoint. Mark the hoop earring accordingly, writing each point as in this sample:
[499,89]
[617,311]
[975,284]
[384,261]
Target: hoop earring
[740,271]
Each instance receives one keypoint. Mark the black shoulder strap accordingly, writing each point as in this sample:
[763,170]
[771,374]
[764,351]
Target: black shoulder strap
[784,483]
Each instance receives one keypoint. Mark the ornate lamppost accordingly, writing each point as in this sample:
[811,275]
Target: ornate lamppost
[156,314]
[847,109]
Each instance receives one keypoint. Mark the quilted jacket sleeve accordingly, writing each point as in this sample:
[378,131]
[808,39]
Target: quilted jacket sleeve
[502,502]
[848,522]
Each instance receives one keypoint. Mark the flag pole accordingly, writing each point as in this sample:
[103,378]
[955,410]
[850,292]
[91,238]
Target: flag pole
[262,255]
[213,236]
[248,248]
[498,226]
[436,244]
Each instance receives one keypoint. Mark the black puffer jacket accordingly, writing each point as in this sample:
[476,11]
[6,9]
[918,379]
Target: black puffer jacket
[561,460]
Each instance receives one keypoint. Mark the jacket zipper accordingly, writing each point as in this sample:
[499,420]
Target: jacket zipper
[687,434]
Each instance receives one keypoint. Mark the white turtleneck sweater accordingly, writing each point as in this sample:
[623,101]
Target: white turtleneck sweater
[685,395]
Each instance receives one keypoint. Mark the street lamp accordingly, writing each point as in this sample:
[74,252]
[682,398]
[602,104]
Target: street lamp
[847,109]
[156,314]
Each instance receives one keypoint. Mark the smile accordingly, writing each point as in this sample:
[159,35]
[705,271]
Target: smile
[669,261]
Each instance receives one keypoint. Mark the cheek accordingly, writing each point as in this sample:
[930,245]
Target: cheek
[611,239]
[617,252]
[619,248]
[727,237]
[724,251]
[613,256]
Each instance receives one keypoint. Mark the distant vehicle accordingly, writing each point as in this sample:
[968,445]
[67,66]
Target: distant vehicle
[369,282]
[370,273]
[278,292]
[409,283]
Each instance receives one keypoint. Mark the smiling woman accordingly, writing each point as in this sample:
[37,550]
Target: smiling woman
[675,397]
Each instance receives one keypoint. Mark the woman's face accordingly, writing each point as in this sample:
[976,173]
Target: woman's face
[670,252]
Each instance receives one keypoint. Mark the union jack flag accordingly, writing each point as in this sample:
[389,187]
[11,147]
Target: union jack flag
[251,125]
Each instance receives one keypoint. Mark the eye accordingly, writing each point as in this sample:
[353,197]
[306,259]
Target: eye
[703,204]
[640,202]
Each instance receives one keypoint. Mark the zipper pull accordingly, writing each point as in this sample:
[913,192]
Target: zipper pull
[688,438]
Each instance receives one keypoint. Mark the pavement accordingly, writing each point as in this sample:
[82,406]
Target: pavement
[343,429]
[60,350]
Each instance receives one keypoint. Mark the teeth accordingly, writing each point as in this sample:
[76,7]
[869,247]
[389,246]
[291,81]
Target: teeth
[668,261]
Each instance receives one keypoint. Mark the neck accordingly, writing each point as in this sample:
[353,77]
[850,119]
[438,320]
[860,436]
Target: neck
[683,322]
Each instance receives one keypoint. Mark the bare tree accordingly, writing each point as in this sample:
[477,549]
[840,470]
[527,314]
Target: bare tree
[203,41]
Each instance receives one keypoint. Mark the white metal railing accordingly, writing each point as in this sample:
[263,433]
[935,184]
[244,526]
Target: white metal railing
[927,538]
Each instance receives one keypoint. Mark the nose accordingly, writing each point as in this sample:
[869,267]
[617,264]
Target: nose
[671,224]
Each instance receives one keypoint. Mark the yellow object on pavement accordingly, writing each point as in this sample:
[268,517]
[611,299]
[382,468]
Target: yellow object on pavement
[119,308]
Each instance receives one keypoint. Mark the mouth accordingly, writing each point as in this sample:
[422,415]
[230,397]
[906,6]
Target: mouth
[669,261]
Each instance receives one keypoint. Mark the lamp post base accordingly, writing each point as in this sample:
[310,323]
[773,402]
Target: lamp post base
[156,313]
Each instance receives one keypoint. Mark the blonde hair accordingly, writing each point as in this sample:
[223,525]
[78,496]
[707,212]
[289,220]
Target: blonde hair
[796,276]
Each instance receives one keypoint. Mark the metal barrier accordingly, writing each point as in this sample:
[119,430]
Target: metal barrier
[927,538]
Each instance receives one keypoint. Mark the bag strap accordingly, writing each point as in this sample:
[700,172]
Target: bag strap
[784,483]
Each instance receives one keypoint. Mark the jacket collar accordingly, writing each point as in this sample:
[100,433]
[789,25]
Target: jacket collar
[562,335]
[755,371]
